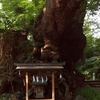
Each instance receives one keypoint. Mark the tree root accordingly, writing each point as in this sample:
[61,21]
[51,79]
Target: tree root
[68,94]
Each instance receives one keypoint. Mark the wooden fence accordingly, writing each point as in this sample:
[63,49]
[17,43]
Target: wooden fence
[95,83]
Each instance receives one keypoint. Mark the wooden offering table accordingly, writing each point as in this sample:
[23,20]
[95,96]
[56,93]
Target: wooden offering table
[36,68]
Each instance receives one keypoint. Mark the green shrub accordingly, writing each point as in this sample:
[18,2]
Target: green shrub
[90,66]
[89,93]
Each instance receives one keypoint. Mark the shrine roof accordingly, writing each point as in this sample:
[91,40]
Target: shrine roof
[39,66]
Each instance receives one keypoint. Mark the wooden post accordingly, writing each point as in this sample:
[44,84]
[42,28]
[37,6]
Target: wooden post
[26,85]
[53,86]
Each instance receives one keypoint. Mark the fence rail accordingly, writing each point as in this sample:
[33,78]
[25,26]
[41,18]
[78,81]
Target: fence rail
[95,83]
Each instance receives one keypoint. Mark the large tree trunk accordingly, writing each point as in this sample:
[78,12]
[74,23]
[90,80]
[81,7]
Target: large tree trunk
[59,28]
[14,45]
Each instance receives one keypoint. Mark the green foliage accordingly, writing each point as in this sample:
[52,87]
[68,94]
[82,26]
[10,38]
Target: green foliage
[89,49]
[93,43]
[18,14]
[9,96]
[91,55]
[8,75]
[93,5]
[89,93]
[90,66]
[97,47]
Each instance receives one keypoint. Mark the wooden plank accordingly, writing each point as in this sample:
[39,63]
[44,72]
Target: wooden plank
[26,85]
[53,86]
[39,64]
[93,83]
[37,68]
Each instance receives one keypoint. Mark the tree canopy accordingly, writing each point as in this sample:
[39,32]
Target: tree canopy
[19,14]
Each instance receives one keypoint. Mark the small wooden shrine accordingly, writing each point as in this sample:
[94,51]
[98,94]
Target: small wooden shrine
[37,81]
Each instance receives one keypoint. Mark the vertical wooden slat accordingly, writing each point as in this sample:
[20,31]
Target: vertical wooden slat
[53,86]
[26,85]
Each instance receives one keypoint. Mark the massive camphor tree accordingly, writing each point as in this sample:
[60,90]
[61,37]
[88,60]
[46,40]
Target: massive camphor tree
[58,35]
[59,28]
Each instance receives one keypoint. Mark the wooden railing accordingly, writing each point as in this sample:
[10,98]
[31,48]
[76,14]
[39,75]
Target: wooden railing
[95,83]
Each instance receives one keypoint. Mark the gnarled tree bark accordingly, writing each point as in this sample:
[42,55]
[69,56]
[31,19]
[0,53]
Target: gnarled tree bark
[59,28]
